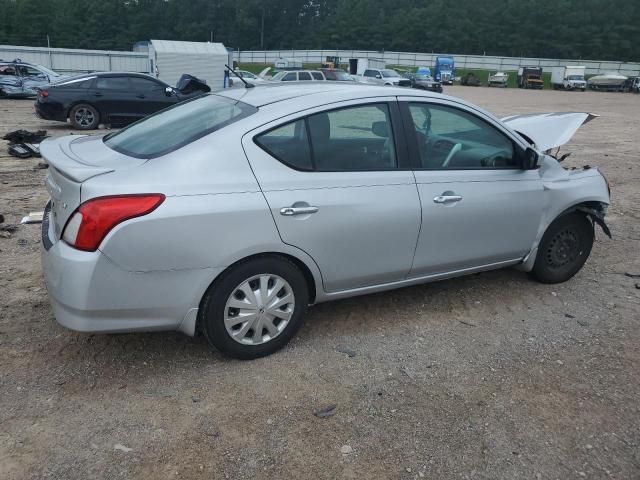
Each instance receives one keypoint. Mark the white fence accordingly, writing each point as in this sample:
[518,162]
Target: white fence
[428,59]
[67,60]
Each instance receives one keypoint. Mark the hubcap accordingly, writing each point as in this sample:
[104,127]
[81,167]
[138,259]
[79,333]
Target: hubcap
[563,249]
[84,117]
[259,309]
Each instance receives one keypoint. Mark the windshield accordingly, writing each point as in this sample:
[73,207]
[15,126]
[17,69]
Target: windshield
[575,77]
[337,75]
[244,74]
[51,73]
[389,73]
[177,126]
[422,76]
[278,75]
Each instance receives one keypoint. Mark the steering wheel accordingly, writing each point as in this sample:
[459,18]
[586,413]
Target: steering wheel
[499,159]
[455,149]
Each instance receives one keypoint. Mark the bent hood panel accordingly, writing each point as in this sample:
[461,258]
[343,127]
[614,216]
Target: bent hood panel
[548,130]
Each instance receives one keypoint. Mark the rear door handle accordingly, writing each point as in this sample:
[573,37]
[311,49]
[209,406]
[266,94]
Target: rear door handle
[97,94]
[447,198]
[289,211]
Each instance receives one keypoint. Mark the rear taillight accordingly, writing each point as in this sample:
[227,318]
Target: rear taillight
[94,219]
[43,93]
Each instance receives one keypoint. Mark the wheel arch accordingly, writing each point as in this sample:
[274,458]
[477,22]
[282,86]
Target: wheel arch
[310,273]
[594,210]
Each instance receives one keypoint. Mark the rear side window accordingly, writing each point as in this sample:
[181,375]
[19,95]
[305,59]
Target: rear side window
[304,76]
[317,76]
[112,83]
[358,138]
[289,144]
[177,126]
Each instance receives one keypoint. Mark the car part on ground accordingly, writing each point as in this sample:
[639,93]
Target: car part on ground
[230,213]
[24,144]
[115,99]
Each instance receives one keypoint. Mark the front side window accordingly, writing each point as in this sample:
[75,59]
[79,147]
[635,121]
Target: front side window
[112,83]
[304,76]
[358,138]
[177,126]
[289,77]
[449,138]
[370,73]
[390,74]
[139,84]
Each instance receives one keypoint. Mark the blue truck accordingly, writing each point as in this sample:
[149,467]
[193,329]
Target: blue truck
[444,69]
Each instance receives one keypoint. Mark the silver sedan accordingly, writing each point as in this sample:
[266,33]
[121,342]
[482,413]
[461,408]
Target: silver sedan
[228,215]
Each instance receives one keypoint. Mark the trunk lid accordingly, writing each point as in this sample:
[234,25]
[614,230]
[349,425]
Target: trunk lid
[548,130]
[73,160]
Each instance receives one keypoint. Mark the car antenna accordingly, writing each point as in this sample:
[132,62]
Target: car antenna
[246,84]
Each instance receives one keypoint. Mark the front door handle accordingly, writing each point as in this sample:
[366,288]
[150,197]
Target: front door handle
[289,211]
[447,198]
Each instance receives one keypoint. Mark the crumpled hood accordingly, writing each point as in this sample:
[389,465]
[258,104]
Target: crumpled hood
[548,130]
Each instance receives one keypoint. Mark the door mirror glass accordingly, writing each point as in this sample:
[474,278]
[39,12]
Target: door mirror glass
[530,160]
[378,75]
[168,91]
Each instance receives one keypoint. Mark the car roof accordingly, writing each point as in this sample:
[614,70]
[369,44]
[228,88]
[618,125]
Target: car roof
[279,92]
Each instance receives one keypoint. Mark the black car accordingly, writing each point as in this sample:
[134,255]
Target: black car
[424,82]
[111,98]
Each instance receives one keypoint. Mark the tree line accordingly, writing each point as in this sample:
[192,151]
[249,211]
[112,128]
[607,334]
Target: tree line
[588,29]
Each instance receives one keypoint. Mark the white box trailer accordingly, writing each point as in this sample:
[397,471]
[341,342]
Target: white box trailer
[568,78]
[170,59]
[357,66]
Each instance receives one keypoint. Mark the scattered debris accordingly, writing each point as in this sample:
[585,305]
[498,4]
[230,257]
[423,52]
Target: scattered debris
[325,412]
[1,218]
[568,315]
[583,323]
[195,399]
[25,136]
[347,351]
[33,217]
[346,450]
[22,242]
[632,275]
[8,228]
[638,286]
[467,323]
[25,144]
[122,448]
[41,166]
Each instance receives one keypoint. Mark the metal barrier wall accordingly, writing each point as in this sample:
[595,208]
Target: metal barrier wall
[67,60]
[428,59]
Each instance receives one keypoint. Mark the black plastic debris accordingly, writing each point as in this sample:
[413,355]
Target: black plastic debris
[189,84]
[25,144]
[25,136]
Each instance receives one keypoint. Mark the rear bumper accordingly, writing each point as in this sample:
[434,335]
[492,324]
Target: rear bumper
[90,293]
[50,111]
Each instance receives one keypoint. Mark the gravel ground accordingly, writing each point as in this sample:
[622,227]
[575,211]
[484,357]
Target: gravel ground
[491,376]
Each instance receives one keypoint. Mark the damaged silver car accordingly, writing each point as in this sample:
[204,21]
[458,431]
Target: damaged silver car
[20,79]
[229,214]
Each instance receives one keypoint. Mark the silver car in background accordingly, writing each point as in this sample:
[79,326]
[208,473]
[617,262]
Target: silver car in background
[231,213]
[20,79]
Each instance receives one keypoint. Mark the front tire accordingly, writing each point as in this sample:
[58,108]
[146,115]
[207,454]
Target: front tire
[255,308]
[564,248]
[84,117]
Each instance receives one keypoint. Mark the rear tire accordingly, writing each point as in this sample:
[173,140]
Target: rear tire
[84,117]
[275,302]
[564,248]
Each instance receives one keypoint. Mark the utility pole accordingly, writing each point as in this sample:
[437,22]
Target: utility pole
[262,30]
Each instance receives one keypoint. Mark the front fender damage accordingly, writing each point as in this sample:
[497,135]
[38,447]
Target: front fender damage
[596,215]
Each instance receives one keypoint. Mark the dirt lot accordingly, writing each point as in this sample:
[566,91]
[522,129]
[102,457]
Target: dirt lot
[492,376]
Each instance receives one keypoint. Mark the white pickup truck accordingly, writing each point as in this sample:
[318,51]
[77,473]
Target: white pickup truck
[383,76]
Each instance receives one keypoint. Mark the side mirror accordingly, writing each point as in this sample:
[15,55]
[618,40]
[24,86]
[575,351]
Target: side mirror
[168,91]
[380,129]
[530,159]
[378,76]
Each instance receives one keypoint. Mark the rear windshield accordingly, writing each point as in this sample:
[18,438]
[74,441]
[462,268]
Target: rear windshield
[177,126]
